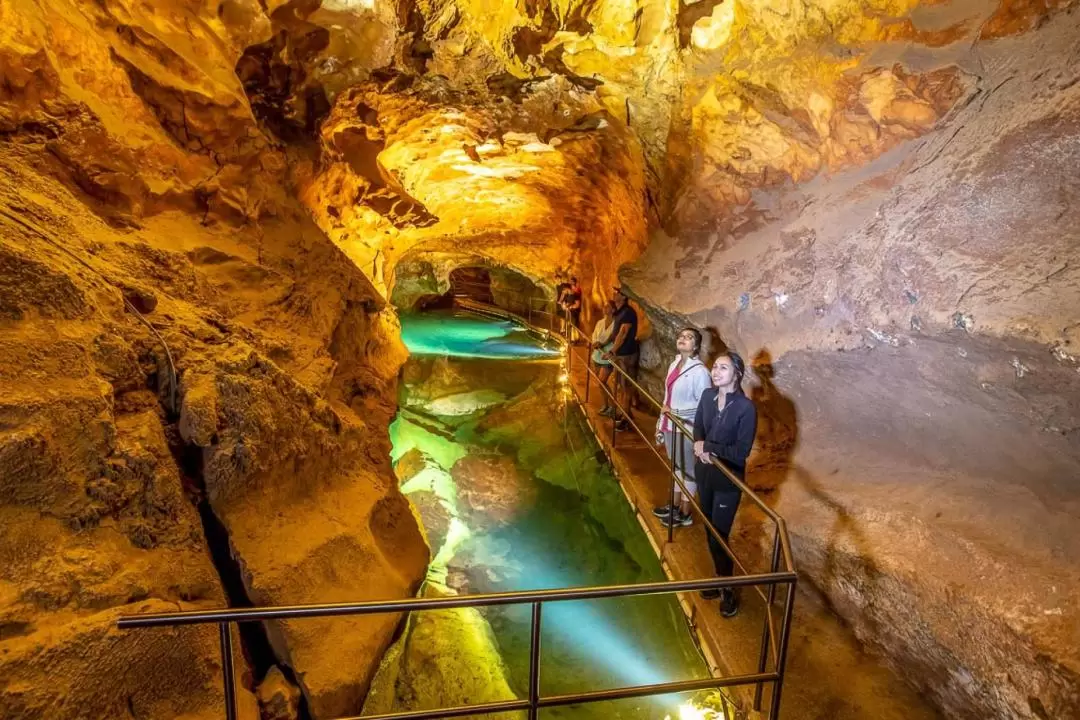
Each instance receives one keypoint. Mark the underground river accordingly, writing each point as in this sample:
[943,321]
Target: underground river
[514,494]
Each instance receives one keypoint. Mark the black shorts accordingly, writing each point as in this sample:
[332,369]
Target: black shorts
[629,363]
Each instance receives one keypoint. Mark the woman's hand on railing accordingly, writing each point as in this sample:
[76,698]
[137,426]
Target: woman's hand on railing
[700,453]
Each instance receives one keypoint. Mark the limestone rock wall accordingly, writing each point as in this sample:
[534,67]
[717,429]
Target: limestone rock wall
[414,170]
[874,200]
[914,327]
[176,328]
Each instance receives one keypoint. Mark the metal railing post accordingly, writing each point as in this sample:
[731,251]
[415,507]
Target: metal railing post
[227,670]
[588,376]
[534,663]
[569,351]
[616,409]
[676,449]
[764,656]
[781,660]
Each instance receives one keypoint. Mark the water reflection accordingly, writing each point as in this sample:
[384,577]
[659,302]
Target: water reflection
[463,335]
[514,495]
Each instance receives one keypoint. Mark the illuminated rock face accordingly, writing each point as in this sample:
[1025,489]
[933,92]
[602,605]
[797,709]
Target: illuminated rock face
[888,178]
[913,316]
[414,171]
[136,178]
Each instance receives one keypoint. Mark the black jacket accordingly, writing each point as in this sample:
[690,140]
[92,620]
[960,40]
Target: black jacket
[728,433]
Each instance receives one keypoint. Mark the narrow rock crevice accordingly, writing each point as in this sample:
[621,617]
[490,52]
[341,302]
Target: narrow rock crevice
[258,651]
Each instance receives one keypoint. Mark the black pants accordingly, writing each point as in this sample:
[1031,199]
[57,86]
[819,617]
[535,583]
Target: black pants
[629,365]
[719,500]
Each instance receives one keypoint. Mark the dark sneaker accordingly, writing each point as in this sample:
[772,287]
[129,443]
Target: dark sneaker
[662,512]
[729,604]
[607,411]
[710,594]
[679,520]
[621,426]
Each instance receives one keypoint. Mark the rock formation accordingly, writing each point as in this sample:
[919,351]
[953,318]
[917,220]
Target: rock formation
[413,170]
[174,323]
[914,320]
[206,206]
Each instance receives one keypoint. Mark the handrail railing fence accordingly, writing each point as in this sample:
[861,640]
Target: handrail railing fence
[773,644]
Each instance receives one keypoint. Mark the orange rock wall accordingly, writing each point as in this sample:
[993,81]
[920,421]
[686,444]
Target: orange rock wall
[547,183]
[136,178]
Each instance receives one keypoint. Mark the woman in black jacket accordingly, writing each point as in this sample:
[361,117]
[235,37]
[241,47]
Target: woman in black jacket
[724,429]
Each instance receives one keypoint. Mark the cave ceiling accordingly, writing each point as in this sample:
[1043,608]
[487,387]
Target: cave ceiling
[547,135]
[552,134]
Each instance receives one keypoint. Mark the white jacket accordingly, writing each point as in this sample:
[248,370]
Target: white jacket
[693,380]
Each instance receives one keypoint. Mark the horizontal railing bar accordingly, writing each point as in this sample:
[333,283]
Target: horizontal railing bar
[458,711]
[576,698]
[657,689]
[789,561]
[374,607]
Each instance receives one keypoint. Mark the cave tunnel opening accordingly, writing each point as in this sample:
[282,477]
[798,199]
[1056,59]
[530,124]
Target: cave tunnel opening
[473,283]
[501,287]
[430,282]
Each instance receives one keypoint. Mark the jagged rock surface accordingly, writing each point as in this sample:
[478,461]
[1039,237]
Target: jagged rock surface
[863,196]
[137,178]
[416,172]
[915,325]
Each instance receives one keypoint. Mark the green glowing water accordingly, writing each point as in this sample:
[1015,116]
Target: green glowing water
[514,494]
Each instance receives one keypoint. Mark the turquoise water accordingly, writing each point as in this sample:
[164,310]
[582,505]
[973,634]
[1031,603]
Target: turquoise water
[464,335]
[515,495]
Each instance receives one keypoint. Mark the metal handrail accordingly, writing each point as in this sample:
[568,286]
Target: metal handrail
[225,617]
[769,632]
[781,539]
[379,607]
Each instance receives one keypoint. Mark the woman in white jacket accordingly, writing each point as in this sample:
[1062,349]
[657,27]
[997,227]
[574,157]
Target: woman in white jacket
[599,336]
[687,378]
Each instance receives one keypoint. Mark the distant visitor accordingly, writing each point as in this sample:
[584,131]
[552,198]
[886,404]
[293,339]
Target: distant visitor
[570,302]
[600,336]
[624,353]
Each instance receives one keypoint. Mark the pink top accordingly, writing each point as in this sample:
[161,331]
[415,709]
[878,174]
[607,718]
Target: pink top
[665,424]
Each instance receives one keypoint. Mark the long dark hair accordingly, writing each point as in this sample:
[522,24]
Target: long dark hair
[697,338]
[739,364]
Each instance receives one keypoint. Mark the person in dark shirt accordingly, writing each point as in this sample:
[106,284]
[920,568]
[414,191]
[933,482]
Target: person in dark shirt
[724,430]
[571,304]
[561,290]
[625,352]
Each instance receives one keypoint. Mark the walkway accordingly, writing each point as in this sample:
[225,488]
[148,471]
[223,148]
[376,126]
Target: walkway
[829,675]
